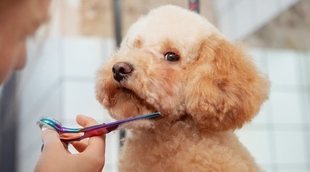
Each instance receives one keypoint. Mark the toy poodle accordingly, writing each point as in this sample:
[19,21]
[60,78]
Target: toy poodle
[175,62]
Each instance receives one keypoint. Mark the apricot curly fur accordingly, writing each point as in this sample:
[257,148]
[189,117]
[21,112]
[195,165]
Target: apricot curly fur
[212,90]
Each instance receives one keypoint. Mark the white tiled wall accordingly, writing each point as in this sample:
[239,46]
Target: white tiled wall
[84,55]
[287,107]
[290,147]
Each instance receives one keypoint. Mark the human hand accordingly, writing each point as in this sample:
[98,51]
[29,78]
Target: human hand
[55,157]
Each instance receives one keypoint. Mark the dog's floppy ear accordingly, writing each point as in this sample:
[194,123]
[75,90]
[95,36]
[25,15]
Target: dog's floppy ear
[224,89]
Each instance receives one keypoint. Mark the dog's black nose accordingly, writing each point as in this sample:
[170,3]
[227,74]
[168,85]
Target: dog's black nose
[121,70]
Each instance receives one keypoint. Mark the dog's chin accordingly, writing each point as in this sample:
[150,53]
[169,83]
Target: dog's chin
[128,103]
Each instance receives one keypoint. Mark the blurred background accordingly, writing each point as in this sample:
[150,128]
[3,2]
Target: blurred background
[65,53]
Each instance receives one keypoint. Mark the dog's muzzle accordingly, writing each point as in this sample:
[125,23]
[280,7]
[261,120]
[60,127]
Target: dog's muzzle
[121,70]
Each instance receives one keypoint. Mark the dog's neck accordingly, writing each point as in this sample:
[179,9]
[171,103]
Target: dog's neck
[167,123]
[166,126]
[184,128]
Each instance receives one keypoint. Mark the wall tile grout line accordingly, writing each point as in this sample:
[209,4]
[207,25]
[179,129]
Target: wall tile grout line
[306,101]
[271,134]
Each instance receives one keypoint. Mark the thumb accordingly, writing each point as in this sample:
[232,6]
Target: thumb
[51,141]
[53,151]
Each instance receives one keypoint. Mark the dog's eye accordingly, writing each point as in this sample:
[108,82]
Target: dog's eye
[171,56]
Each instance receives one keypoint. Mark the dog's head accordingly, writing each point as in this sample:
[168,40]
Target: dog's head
[175,62]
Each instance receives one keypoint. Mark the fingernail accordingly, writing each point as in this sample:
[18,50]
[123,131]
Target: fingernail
[47,127]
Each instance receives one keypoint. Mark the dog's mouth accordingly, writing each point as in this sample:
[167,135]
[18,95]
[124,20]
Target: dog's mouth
[136,96]
[140,100]
[128,103]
